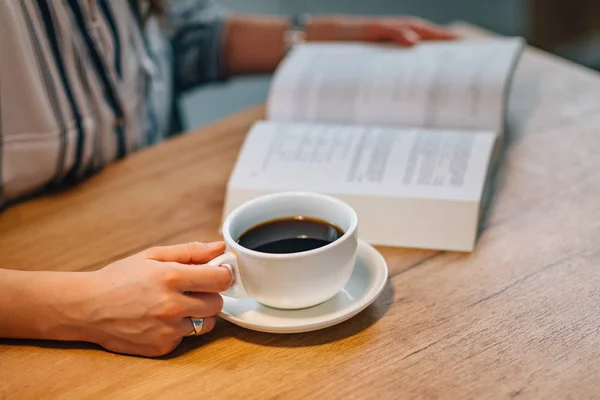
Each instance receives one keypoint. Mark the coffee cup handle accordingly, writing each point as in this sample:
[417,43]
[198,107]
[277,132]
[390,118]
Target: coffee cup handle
[231,262]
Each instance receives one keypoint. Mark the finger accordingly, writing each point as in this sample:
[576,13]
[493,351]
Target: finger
[187,253]
[198,278]
[203,304]
[403,36]
[429,31]
[186,327]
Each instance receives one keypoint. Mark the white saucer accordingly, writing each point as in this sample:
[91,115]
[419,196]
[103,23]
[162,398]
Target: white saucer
[365,285]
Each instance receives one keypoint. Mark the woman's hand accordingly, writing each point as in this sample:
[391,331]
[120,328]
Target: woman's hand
[254,44]
[139,305]
[404,31]
[142,304]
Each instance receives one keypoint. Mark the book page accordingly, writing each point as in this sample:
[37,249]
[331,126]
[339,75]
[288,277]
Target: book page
[455,85]
[354,160]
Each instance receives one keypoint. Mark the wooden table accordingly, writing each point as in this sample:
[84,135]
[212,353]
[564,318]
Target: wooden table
[519,317]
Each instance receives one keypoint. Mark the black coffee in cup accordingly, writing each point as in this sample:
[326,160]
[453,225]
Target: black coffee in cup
[290,235]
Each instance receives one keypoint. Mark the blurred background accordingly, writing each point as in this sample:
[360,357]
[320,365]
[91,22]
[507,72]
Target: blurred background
[568,28]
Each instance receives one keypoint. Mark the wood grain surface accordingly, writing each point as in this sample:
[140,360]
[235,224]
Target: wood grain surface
[517,318]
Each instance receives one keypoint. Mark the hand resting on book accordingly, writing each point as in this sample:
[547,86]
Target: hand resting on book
[404,31]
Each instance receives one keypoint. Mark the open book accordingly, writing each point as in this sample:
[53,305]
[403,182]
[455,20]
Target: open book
[408,137]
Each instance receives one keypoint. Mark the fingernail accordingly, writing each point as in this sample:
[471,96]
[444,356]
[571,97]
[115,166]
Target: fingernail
[215,245]
[412,36]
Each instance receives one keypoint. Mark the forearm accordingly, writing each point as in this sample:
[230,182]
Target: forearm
[40,305]
[255,44]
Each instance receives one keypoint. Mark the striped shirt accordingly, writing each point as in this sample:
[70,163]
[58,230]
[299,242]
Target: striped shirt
[85,82]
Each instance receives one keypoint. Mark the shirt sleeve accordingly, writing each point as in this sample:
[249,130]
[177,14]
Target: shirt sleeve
[197,28]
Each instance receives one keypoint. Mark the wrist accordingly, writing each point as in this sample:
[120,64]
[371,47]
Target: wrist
[321,29]
[62,305]
[336,28]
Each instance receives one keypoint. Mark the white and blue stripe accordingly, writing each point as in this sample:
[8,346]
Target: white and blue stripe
[83,83]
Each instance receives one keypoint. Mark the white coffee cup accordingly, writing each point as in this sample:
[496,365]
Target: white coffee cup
[293,280]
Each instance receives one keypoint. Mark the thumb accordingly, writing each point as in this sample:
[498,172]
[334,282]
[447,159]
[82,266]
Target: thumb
[186,253]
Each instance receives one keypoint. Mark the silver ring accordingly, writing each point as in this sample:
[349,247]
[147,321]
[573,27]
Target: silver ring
[197,323]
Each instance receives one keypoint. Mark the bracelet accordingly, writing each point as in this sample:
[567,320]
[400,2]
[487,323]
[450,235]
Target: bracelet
[296,34]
